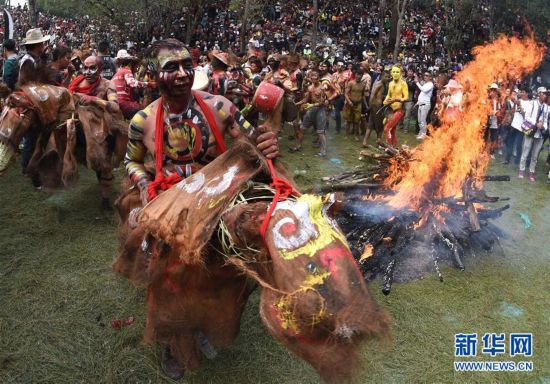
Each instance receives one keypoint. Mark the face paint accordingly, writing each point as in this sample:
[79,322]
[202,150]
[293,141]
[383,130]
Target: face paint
[172,55]
[176,73]
[90,69]
[396,73]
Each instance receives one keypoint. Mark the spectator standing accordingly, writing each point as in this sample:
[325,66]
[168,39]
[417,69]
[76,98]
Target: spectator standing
[426,87]
[11,64]
[126,85]
[536,115]
[107,62]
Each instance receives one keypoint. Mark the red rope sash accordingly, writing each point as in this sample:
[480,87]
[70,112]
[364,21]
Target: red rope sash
[220,143]
[161,181]
[283,190]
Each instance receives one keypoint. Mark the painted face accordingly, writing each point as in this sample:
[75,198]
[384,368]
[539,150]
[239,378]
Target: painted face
[396,73]
[175,71]
[90,69]
[314,76]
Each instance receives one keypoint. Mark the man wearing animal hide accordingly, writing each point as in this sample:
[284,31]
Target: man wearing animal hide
[183,131]
[100,116]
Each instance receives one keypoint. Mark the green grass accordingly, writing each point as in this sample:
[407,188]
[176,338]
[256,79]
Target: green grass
[58,296]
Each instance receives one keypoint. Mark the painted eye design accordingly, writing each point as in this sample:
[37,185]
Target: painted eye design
[293,231]
[170,67]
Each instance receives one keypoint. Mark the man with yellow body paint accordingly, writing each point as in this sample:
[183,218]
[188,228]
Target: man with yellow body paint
[398,93]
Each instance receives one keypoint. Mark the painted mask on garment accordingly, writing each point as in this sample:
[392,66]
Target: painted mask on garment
[395,73]
[175,72]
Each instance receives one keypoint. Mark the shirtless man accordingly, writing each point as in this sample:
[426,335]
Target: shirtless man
[191,124]
[339,80]
[376,101]
[355,95]
[398,93]
[189,138]
[315,102]
[94,89]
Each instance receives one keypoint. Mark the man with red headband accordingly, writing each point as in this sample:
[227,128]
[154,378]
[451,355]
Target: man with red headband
[183,131]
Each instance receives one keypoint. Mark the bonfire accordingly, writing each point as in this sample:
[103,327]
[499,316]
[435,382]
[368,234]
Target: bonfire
[424,206]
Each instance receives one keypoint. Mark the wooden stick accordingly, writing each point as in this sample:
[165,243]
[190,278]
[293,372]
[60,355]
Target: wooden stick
[496,178]
[472,214]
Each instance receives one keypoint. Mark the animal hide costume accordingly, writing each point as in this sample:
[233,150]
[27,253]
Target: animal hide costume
[314,299]
[45,109]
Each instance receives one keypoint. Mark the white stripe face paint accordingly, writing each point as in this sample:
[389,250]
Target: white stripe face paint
[215,189]
[192,184]
[291,233]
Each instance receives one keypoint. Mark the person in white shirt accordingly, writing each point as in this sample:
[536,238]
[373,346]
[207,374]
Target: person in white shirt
[426,87]
[536,113]
[514,139]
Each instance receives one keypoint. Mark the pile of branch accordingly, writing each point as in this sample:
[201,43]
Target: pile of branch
[371,173]
[402,245]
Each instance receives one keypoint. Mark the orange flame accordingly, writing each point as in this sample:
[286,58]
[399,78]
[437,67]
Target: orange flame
[456,150]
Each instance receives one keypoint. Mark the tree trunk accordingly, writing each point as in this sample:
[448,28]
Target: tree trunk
[394,20]
[381,31]
[33,13]
[400,9]
[244,25]
[192,21]
[315,24]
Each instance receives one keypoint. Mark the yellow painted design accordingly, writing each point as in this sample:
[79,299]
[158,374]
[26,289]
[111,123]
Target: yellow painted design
[173,55]
[246,125]
[327,233]
[285,304]
[138,120]
[214,202]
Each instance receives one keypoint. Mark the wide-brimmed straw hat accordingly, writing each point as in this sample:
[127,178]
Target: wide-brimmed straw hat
[35,36]
[221,56]
[541,90]
[453,84]
[123,54]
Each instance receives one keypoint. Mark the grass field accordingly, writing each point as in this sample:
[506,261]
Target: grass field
[58,296]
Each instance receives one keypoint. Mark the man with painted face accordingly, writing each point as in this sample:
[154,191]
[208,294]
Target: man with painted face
[398,93]
[193,123]
[183,131]
[94,88]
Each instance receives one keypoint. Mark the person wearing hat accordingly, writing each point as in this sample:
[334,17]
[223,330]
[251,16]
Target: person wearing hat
[33,67]
[220,63]
[452,101]
[33,63]
[126,85]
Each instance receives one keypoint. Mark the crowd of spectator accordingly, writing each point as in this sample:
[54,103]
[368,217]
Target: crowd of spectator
[344,46]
